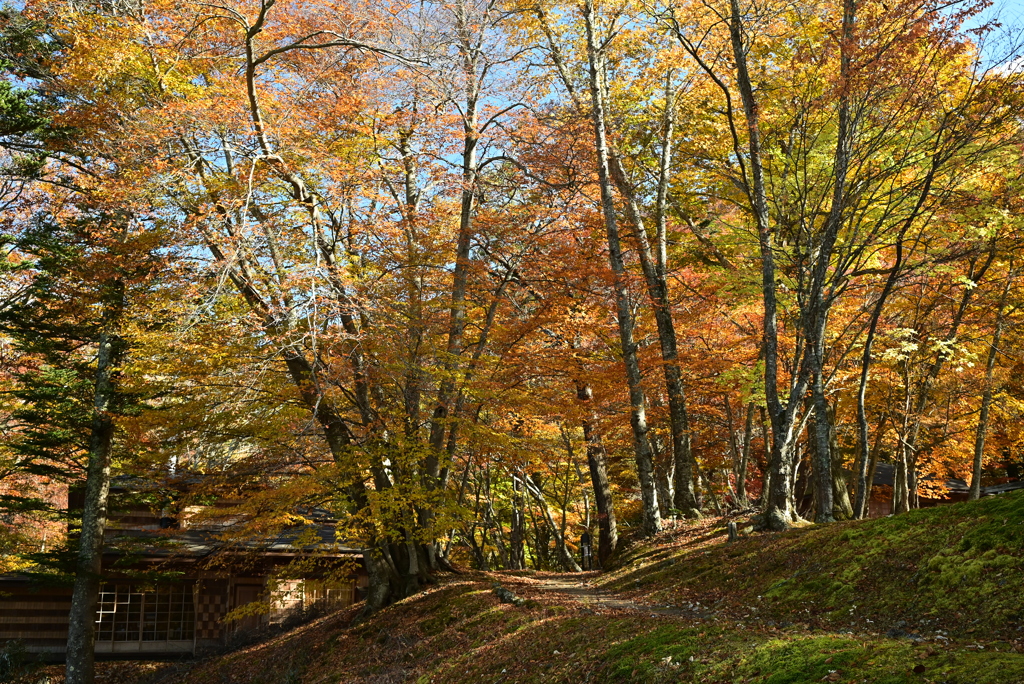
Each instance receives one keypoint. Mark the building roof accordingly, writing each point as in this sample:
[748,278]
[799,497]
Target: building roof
[136,529]
[198,543]
[1002,488]
[885,475]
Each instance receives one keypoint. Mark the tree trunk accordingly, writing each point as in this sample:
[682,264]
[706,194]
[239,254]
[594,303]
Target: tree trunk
[741,475]
[779,513]
[908,459]
[777,500]
[863,483]
[517,554]
[822,465]
[734,447]
[986,396]
[608,535]
[901,485]
[795,464]
[85,594]
[842,508]
[587,510]
[708,481]
[565,558]
[664,472]
[435,473]
[766,469]
[638,408]
[819,301]
[574,464]
[655,272]
[876,450]
[507,560]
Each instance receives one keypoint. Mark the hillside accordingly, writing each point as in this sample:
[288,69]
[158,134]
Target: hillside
[956,568]
[932,596]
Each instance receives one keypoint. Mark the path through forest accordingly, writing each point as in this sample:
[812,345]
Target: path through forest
[561,588]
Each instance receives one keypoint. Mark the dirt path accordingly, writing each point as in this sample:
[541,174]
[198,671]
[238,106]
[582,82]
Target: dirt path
[585,594]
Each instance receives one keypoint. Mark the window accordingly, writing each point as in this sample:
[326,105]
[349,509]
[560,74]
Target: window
[136,612]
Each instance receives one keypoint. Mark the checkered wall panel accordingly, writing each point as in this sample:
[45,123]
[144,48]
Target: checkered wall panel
[211,606]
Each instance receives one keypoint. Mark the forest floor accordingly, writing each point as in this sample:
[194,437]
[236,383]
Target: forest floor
[932,596]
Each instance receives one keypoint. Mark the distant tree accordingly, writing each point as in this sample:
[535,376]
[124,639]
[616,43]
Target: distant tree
[68,323]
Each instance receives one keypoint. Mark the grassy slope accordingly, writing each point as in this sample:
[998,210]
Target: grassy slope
[959,569]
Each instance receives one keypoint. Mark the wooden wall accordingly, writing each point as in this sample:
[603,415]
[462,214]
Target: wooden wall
[35,615]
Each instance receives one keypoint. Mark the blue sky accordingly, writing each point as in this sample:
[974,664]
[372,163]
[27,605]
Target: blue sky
[1007,39]
[1011,10]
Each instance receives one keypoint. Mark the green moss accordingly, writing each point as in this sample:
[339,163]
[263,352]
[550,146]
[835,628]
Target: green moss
[957,561]
[785,661]
[648,657]
[987,667]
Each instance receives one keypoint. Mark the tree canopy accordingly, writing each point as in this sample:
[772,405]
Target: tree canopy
[477,276]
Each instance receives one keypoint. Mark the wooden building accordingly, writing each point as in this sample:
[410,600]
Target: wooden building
[168,586]
[951,491]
